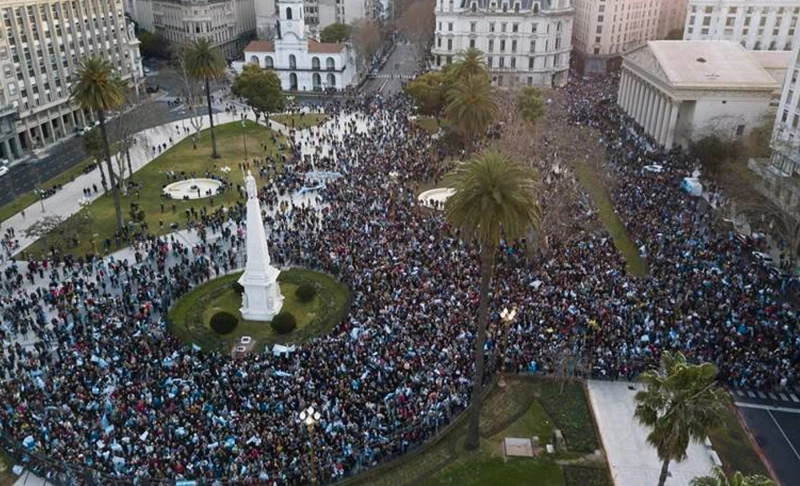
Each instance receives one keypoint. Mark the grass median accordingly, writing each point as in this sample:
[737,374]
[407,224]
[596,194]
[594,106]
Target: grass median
[160,213]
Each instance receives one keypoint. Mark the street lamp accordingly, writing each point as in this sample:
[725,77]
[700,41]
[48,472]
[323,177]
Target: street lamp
[507,317]
[310,417]
[244,134]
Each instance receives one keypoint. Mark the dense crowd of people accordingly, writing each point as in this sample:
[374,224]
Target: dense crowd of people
[105,387]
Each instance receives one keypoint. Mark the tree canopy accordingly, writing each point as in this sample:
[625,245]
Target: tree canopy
[530,105]
[153,44]
[261,89]
[428,92]
[335,33]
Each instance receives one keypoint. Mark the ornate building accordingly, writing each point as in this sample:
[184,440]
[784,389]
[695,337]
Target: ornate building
[526,42]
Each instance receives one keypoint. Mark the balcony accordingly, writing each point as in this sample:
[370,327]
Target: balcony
[8,110]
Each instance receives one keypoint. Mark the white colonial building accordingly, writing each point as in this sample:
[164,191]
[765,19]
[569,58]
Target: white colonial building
[319,14]
[302,63]
[526,42]
[681,91]
[769,25]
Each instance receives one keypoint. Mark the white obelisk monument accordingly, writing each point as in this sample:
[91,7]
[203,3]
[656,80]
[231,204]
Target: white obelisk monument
[262,297]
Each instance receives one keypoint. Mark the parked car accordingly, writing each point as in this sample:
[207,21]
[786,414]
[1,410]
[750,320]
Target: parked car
[3,170]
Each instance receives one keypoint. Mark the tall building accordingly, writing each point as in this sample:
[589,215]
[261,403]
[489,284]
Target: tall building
[318,14]
[757,24]
[230,24]
[526,42]
[672,17]
[786,134]
[42,43]
[604,29]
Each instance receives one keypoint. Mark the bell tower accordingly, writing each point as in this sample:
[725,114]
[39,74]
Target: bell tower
[291,18]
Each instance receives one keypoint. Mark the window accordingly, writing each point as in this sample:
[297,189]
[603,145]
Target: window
[491,45]
[288,13]
[449,44]
[503,27]
[473,26]
[449,26]
[513,62]
[502,45]
[599,29]
[489,61]
[740,130]
[502,62]
[514,27]
[292,61]
[491,26]
[472,43]
[533,46]
[513,46]
[534,28]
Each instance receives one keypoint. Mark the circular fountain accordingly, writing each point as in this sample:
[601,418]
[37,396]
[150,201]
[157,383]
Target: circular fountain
[435,198]
[192,189]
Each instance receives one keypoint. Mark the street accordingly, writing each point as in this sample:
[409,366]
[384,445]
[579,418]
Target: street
[400,67]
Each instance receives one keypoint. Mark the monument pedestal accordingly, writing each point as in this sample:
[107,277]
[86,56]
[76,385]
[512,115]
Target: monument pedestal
[262,297]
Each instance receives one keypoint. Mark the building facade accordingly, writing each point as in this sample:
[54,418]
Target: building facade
[768,25]
[681,91]
[301,63]
[318,14]
[786,133]
[604,29]
[672,18]
[229,24]
[42,43]
[525,42]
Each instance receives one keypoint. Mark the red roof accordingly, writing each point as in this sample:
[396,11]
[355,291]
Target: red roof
[260,46]
[324,47]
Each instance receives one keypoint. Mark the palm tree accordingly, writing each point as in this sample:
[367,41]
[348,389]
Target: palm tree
[471,107]
[529,104]
[494,198]
[204,62]
[718,478]
[98,88]
[682,403]
[469,63]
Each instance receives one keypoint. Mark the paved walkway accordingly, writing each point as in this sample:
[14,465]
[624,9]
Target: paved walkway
[631,459]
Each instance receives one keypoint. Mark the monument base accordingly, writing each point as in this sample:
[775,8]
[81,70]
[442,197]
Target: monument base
[261,302]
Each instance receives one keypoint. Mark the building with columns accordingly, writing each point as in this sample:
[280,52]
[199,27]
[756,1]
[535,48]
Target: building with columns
[42,43]
[672,17]
[759,25]
[301,63]
[681,91]
[525,42]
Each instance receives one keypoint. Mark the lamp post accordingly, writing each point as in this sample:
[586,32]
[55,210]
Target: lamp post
[508,317]
[310,417]
[244,135]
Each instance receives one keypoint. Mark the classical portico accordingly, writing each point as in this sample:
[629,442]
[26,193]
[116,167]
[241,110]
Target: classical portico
[679,91]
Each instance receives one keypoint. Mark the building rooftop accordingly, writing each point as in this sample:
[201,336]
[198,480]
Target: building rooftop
[260,46]
[773,59]
[706,64]
[324,47]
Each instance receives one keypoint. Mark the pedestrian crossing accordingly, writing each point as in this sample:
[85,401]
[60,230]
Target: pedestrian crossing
[787,397]
[392,76]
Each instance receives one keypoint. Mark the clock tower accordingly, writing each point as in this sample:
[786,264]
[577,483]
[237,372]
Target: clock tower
[291,20]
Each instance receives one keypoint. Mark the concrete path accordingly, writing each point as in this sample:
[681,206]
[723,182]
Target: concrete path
[631,459]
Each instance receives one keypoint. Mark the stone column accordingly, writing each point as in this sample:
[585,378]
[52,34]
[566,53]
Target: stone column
[621,91]
[15,145]
[662,107]
[639,100]
[662,130]
[648,108]
[7,150]
[52,130]
[628,92]
[673,121]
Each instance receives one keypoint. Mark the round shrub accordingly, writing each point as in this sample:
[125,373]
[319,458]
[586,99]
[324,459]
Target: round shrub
[284,322]
[224,322]
[238,288]
[305,292]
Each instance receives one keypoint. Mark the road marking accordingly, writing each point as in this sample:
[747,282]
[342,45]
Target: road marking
[794,398]
[759,406]
[762,395]
[740,393]
[751,394]
[784,435]
[784,397]
[773,396]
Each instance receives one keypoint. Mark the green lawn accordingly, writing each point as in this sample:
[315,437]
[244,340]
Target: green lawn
[189,318]
[429,124]
[592,182]
[513,411]
[301,120]
[734,446]
[180,158]
[22,201]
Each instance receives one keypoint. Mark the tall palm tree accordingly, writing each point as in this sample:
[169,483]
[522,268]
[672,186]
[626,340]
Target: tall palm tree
[471,107]
[494,198]
[98,88]
[718,478]
[469,63]
[682,403]
[204,62]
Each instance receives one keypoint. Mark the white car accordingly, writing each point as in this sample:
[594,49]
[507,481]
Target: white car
[654,168]
[3,170]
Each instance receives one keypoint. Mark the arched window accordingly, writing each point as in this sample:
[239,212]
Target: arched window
[558,27]
[254,60]
[315,63]
[292,62]
[293,82]
[330,64]
[268,62]
[535,8]
[474,7]
[316,81]
[288,13]
[331,80]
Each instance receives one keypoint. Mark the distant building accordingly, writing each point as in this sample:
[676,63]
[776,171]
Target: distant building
[768,25]
[786,134]
[43,45]
[604,29]
[319,14]
[681,91]
[229,24]
[526,42]
[302,63]
[672,17]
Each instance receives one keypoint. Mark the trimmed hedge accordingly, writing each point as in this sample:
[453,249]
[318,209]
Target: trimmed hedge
[223,322]
[305,292]
[284,322]
[237,287]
